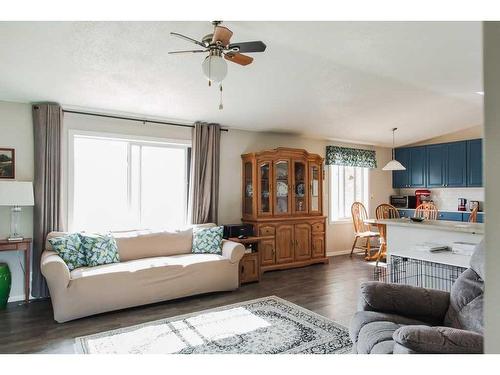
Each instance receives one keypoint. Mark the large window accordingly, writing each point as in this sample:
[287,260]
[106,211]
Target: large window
[119,184]
[347,185]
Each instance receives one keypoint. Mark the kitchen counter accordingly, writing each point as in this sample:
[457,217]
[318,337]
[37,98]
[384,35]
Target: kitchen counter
[440,225]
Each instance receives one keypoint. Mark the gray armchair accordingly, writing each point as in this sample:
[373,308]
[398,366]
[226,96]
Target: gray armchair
[394,318]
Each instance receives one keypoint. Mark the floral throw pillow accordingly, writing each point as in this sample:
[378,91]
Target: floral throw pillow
[99,249]
[207,240]
[69,248]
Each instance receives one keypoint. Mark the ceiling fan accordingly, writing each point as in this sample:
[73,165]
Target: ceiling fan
[219,47]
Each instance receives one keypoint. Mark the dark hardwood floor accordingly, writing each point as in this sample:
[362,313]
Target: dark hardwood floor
[330,290]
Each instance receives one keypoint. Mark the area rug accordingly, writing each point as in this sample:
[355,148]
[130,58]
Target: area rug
[267,325]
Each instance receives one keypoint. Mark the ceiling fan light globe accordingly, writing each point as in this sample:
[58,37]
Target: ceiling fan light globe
[214,68]
[394,165]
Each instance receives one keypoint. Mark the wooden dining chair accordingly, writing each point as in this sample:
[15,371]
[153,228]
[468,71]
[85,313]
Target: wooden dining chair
[473,215]
[427,211]
[384,211]
[362,230]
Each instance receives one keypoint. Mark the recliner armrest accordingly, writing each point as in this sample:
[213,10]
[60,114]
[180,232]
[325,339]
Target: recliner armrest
[233,251]
[427,305]
[438,340]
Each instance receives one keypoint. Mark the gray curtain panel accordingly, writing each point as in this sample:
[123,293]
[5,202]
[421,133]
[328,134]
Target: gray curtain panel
[47,126]
[204,179]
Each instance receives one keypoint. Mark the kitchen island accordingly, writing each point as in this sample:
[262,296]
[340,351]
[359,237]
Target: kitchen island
[404,237]
[409,260]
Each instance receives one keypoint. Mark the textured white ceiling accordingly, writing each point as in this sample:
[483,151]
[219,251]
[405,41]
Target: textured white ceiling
[352,81]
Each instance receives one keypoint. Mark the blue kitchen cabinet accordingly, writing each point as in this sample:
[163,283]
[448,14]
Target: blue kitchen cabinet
[475,163]
[456,164]
[480,217]
[406,213]
[436,165]
[417,168]
[400,179]
[450,216]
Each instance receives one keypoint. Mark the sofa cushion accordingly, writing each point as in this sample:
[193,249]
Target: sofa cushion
[146,244]
[99,249]
[173,262]
[207,240]
[69,248]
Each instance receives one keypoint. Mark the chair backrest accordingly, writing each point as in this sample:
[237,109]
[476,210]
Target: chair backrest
[473,215]
[359,216]
[467,294]
[427,210]
[386,211]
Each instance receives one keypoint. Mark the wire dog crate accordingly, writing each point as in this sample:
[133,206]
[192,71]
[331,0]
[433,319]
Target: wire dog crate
[416,272]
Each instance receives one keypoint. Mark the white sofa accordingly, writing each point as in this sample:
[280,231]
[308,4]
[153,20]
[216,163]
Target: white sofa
[154,267]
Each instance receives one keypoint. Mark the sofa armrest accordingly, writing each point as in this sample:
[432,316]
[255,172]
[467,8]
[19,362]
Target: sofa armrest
[439,340]
[427,305]
[54,269]
[233,251]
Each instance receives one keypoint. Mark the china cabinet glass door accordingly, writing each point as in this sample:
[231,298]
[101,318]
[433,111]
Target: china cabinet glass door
[315,189]
[299,187]
[282,191]
[264,204]
[248,186]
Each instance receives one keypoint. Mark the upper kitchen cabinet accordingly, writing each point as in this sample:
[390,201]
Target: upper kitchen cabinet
[454,164]
[413,159]
[400,179]
[417,167]
[475,163]
[446,165]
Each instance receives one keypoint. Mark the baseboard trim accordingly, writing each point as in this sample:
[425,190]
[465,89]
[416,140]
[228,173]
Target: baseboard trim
[335,253]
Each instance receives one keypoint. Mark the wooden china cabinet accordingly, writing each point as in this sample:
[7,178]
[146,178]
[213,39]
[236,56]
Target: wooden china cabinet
[283,198]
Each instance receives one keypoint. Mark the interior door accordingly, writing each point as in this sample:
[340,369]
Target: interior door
[299,187]
[302,241]
[284,243]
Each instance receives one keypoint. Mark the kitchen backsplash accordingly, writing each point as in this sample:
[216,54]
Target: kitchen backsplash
[447,199]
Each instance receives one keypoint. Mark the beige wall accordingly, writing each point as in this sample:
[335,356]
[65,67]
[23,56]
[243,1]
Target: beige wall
[461,135]
[16,131]
[491,48]
[236,142]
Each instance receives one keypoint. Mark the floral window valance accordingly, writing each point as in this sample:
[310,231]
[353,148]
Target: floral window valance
[350,157]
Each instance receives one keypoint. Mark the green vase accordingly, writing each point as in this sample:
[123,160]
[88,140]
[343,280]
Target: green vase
[5,281]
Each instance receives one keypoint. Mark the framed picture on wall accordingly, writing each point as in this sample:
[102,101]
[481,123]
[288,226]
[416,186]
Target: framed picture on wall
[7,163]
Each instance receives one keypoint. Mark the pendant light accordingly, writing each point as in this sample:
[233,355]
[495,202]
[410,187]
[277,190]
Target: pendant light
[393,165]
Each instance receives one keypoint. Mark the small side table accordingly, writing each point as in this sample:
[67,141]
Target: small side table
[250,263]
[23,245]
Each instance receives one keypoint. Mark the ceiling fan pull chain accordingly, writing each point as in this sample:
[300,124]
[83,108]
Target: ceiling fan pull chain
[220,105]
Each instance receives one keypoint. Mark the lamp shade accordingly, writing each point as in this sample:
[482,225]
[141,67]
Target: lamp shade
[214,68]
[16,193]
[394,165]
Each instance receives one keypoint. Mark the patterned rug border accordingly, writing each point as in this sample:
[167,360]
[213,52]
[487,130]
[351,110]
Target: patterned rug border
[81,347]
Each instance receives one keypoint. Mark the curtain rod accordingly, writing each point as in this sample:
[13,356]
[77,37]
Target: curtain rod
[144,121]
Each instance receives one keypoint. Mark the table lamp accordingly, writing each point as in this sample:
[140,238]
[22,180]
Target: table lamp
[16,194]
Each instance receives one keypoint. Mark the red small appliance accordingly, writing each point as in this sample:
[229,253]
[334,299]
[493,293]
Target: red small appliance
[422,195]
[462,204]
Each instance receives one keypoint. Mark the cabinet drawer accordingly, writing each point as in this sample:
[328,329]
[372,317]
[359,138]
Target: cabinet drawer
[318,227]
[267,230]
[451,216]
[406,213]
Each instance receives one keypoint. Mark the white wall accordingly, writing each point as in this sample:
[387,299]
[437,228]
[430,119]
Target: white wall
[491,58]
[237,142]
[16,131]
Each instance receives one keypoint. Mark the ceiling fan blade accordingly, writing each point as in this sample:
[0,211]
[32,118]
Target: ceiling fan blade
[191,51]
[245,47]
[222,34]
[238,58]
[188,39]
